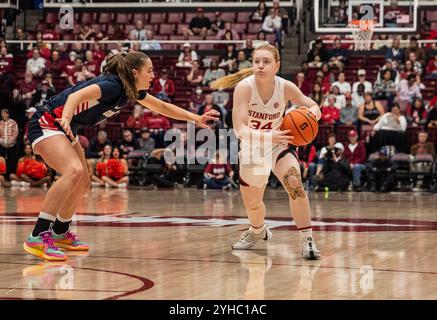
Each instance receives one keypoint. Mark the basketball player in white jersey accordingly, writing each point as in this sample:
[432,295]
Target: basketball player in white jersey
[260,98]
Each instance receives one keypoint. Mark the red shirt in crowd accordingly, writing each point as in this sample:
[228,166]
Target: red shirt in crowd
[50,35]
[169,87]
[432,66]
[157,122]
[304,87]
[217,168]
[358,155]
[99,56]
[135,123]
[330,114]
[68,67]
[6,63]
[55,67]
[25,87]
[93,67]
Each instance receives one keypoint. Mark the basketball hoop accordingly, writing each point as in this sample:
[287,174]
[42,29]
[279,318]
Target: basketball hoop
[362,33]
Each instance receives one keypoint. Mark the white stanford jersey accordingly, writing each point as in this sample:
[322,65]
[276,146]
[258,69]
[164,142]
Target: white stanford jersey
[266,116]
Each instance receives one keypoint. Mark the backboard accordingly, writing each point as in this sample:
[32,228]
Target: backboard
[389,16]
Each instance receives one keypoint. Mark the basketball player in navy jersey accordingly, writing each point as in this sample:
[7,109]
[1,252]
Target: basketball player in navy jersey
[52,133]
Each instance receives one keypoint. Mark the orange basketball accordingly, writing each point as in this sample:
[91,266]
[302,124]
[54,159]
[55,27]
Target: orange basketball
[303,125]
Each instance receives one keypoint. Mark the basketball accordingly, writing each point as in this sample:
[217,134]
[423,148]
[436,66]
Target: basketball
[303,125]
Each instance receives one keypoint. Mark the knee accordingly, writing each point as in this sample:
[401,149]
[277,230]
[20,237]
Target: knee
[293,184]
[254,207]
[75,172]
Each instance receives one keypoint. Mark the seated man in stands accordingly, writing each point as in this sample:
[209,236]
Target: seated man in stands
[127,143]
[95,148]
[381,172]
[145,142]
[217,174]
[199,25]
[355,153]
[338,55]
[423,147]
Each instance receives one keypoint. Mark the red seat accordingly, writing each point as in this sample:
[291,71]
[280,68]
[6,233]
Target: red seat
[189,16]
[254,27]
[139,16]
[129,28]
[342,133]
[157,18]
[87,17]
[205,46]
[166,29]
[239,27]
[322,137]
[99,27]
[123,18]
[76,28]
[174,17]
[105,17]
[228,16]
[270,38]
[161,37]
[180,27]
[169,46]
[243,16]
[68,36]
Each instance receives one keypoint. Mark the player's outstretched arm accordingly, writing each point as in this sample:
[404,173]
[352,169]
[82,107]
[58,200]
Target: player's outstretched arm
[293,93]
[175,112]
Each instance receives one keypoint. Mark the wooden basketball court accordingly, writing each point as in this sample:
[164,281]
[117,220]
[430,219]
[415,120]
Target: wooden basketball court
[176,245]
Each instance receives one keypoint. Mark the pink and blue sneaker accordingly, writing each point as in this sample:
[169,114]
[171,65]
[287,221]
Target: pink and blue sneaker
[42,246]
[69,241]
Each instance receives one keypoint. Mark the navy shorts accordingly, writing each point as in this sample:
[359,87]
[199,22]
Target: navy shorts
[42,126]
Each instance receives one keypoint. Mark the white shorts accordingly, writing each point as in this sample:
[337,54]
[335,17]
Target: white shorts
[255,170]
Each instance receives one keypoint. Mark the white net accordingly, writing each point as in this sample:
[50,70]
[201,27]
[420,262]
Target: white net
[362,33]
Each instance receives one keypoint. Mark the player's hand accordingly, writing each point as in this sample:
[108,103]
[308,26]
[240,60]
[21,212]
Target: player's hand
[308,109]
[211,115]
[282,137]
[65,124]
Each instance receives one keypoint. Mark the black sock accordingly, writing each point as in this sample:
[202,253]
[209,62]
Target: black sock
[41,226]
[60,227]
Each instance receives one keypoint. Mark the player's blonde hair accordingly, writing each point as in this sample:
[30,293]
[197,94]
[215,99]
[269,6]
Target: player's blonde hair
[232,80]
[122,64]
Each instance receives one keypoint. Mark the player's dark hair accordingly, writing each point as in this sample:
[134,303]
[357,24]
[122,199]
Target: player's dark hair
[122,65]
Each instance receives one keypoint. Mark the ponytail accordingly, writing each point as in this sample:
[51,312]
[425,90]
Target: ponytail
[231,80]
[121,64]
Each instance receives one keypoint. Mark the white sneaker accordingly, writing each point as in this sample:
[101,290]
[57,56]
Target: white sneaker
[309,250]
[248,239]
[25,184]
[15,183]
[122,185]
[95,184]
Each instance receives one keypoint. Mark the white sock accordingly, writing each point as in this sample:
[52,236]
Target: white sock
[257,230]
[63,219]
[46,216]
[306,233]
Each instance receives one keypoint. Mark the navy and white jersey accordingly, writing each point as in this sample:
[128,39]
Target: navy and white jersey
[88,113]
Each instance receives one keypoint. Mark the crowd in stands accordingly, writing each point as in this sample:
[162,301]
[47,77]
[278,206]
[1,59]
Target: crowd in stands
[376,106]
[385,105]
